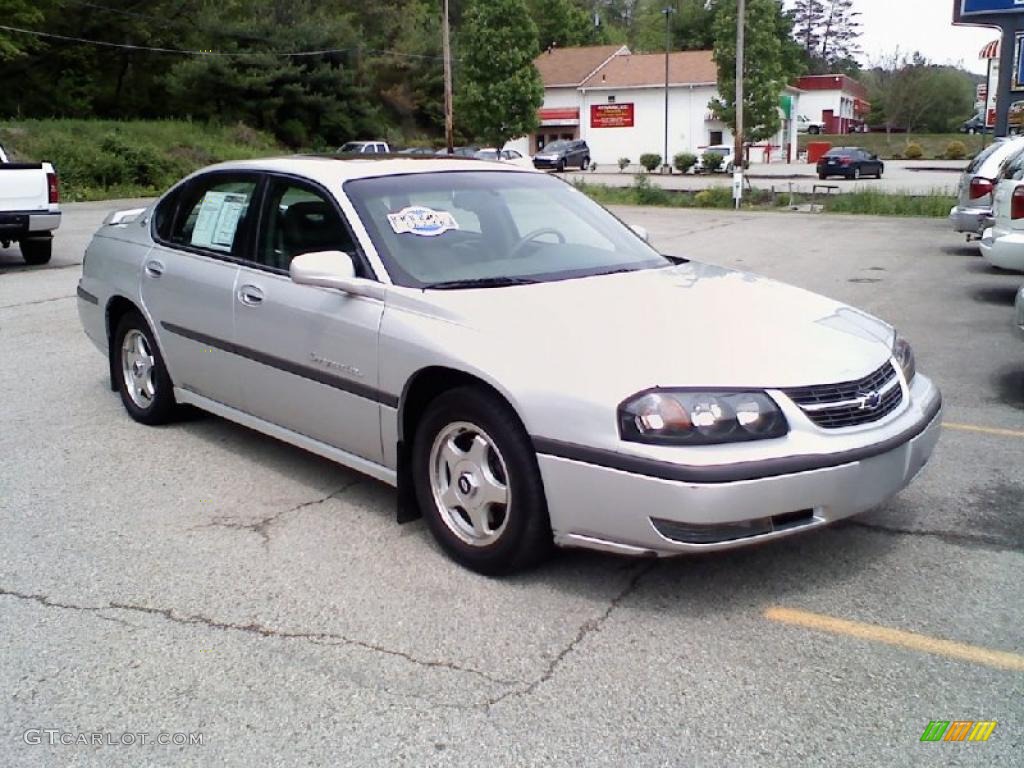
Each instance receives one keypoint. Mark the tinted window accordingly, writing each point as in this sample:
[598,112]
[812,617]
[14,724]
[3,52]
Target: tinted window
[163,215]
[298,220]
[1014,168]
[213,211]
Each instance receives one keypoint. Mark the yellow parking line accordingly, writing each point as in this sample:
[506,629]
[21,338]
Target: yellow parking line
[982,430]
[898,637]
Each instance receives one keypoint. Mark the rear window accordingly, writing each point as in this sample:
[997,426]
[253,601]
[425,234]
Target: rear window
[839,153]
[984,155]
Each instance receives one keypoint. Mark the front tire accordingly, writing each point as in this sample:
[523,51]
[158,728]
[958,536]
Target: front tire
[36,250]
[142,378]
[585,163]
[814,130]
[478,484]
[560,168]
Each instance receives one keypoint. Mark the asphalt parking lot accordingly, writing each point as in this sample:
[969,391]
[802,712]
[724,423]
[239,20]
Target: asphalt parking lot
[204,579]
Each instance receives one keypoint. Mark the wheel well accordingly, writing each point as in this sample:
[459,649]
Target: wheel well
[420,391]
[117,308]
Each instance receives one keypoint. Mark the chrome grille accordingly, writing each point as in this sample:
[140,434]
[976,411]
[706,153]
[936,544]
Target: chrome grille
[851,403]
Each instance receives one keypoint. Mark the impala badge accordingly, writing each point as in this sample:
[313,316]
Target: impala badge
[335,365]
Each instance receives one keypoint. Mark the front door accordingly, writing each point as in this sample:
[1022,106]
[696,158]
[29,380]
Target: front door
[188,281]
[310,354]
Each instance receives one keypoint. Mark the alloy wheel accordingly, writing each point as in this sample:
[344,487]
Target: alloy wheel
[137,368]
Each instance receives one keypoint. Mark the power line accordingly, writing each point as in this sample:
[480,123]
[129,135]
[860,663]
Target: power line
[221,54]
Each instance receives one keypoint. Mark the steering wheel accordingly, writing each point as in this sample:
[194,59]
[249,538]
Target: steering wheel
[531,236]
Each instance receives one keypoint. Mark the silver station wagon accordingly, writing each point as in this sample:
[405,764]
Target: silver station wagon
[526,369]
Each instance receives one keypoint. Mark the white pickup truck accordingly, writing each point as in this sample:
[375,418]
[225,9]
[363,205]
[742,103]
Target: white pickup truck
[29,207]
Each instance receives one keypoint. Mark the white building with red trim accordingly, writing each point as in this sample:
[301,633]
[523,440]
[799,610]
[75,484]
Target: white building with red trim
[615,100]
[838,101]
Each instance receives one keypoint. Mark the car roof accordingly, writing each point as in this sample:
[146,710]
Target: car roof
[332,171]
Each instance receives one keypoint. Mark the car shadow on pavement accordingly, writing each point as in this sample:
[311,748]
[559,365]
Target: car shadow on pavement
[1008,382]
[967,249]
[1000,295]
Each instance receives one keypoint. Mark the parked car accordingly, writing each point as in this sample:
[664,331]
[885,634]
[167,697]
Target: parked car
[728,153]
[804,124]
[29,208]
[458,151]
[976,124]
[364,148]
[418,151]
[505,156]
[1002,244]
[487,338]
[559,155]
[1019,313]
[973,209]
[851,163]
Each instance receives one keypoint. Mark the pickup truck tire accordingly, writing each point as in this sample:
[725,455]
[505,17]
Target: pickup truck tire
[36,250]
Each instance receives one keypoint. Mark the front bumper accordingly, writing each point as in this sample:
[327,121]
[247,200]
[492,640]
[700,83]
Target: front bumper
[1005,251]
[1018,322]
[600,507]
[969,220]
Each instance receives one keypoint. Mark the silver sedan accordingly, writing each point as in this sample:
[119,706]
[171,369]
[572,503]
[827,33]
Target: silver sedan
[526,369]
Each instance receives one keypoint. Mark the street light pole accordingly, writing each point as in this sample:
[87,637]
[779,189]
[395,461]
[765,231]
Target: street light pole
[738,159]
[668,44]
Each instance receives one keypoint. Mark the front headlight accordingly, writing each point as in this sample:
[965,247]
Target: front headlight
[684,417]
[904,355]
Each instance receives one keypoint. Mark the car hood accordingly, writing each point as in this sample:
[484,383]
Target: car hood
[692,325]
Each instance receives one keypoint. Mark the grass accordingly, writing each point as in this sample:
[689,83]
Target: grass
[105,159]
[869,202]
[893,146]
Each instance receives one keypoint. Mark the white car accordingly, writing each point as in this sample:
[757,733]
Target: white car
[29,208]
[511,156]
[978,182]
[506,352]
[364,148]
[728,153]
[1002,244]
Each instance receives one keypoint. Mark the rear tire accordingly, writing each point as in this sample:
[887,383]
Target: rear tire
[142,379]
[822,177]
[585,164]
[478,484]
[36,250]
[814,130]
[560,168]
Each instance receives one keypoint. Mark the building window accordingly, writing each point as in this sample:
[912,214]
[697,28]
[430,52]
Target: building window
[716,138]
[611,99]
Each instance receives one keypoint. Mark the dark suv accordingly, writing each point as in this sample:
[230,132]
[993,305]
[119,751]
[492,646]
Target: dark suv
[560,154]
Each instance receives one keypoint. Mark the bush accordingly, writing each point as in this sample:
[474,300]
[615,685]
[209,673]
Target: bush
[684,161]
[624,163]
[650,161]
[956,150]
[712,161]
[913,151]
[293,133]
[716,197]
[647,193]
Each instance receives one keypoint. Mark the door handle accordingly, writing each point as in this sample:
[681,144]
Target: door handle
[154,268]
[250,295]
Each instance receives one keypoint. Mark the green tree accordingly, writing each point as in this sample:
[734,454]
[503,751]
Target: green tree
[562,23]
[769,67]
[18,13]
[499,89]
[691,27]
[910,93]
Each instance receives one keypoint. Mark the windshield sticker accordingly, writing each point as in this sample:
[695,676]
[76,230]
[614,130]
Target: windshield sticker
[425,222]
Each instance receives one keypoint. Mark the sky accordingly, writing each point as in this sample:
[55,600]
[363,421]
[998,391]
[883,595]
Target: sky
[920,25]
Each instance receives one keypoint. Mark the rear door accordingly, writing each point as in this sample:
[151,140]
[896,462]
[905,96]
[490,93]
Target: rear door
[309,355]
[188,280]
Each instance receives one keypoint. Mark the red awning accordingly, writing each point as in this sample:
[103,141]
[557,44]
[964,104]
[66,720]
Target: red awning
[558,113]
[990,51]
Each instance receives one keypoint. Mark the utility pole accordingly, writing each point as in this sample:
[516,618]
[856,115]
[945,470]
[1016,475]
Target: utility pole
[737,174]
[449,126]
[667,11]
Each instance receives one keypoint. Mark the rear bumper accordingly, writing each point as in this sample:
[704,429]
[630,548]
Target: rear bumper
[971,221]
[15,224]
[1004,251]
[599,507]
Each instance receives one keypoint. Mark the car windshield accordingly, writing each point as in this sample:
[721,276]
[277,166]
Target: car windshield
[487,154]
[352,146]
[556,146]
[718,150]
[471,228]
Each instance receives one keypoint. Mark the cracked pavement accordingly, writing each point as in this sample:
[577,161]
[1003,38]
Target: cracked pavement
[203,578]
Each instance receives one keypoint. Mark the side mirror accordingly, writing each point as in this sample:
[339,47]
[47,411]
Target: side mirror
[640,232]
[333,269]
